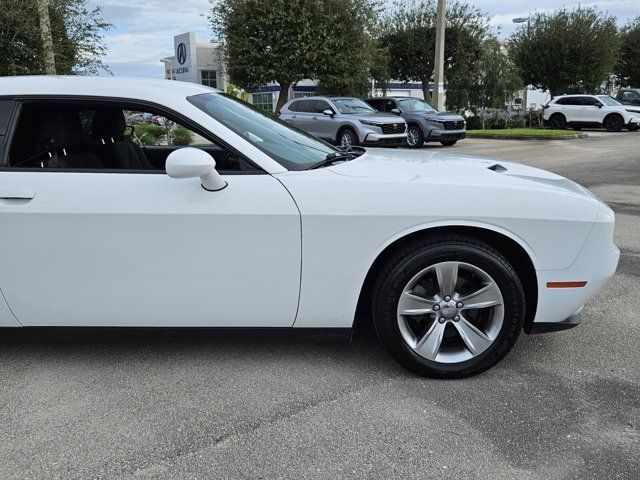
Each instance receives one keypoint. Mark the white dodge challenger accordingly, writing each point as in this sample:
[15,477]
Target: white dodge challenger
[128,202]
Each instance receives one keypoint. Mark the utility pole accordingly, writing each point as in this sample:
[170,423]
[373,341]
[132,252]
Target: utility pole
[45,35]
[438,78]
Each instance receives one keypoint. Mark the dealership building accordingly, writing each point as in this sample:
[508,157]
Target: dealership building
[202,62]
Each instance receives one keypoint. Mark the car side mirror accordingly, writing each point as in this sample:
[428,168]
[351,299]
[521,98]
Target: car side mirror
[396,111]
[599,105]
[328,112]
[191,162]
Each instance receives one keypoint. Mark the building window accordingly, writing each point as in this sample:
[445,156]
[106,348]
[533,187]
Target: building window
[209,78]
[303,94]
[263,101]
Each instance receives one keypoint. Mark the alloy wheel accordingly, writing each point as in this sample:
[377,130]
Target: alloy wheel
[450,312]
[346,139]
[413,137]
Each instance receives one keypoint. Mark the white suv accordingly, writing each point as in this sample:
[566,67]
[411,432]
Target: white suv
[578,111]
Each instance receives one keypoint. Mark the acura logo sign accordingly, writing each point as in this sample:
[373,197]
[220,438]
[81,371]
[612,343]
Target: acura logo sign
[181,53]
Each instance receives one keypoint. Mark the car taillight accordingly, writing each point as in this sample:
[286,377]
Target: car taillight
[545,106]
[278,114]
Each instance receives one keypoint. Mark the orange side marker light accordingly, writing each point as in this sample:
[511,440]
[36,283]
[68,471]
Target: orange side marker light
[566,284]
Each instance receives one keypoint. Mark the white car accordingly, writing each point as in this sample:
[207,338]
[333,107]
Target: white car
[451,256]
[579,111]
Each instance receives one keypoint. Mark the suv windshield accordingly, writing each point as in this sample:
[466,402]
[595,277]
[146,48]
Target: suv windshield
[352,105]
[415,105]
[607,100]
[290,147]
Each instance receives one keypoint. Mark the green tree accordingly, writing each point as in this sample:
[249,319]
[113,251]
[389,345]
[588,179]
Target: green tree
[77,32]
[496,81]
[345,47]
[628,67]
[409,33]
[266,42]
[567,50]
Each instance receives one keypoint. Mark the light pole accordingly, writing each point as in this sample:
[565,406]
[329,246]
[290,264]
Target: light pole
[525,91]
[438,77]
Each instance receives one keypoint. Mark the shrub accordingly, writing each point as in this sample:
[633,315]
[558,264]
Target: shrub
[182,136]
[149,134]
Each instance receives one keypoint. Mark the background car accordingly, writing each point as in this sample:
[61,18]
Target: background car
[344,120]
[425,123]
[628,96]
[578,111]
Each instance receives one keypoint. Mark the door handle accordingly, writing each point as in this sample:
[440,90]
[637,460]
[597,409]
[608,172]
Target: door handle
[17,194]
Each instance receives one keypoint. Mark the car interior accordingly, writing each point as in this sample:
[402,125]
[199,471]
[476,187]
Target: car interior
[100,137]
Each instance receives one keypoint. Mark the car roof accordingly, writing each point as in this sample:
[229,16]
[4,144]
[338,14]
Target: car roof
[109,87]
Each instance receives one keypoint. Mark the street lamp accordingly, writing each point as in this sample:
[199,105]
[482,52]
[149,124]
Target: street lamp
[438,83]
[525,91]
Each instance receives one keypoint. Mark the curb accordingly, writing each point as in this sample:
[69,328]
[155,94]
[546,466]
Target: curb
[529,137]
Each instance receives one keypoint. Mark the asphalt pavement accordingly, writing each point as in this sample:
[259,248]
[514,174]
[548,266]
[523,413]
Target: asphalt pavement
[205,405]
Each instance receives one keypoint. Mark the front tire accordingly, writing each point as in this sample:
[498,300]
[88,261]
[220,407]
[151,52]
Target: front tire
[415,137]
[419,308]
[347,138]
[614,123]
[448,143]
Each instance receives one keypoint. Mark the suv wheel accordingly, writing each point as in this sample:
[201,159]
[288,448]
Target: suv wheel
[558,121]
[448,307]
[614,123]
[448,143]
[347,138]
[415,137]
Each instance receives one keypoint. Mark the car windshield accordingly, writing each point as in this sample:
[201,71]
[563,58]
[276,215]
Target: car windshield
[416,105]
[607,100]
[290,147]
[352,105]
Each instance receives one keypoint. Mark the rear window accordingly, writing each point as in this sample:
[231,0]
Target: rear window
[308,106]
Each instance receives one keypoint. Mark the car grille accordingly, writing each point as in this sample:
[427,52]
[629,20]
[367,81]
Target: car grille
[454,125]
[391,128]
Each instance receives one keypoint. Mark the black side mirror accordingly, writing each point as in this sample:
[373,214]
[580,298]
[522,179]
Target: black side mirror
[396,111]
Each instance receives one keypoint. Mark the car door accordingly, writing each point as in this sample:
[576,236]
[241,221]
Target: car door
[122,248]
[304,115]
[592,110]
[571,108]
[324,126]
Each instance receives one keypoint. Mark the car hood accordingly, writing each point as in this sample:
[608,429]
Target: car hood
[380,117]
[456,169]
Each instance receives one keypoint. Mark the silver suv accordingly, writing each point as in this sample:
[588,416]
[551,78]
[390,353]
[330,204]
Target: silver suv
[344,120]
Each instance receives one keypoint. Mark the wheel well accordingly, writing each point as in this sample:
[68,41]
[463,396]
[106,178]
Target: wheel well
[558,114]
[613,114]
[345,127]
[512,251]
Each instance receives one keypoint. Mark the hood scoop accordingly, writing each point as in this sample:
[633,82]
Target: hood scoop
[496,167]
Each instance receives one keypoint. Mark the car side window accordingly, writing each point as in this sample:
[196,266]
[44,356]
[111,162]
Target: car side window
[376,103]
[109,136]
[295,105]
[307,106]
[389,105]
[322,105]
[561,101]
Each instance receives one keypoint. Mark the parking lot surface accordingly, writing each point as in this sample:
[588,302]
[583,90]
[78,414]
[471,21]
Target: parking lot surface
[205,405]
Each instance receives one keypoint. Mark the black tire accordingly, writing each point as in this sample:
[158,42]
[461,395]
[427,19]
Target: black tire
[633,128]
[404,264]
[448,143]
[347,133]
[419,136]
[558,121]
[614,123]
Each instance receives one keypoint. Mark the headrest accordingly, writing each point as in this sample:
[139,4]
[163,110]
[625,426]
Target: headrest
[108,123]
[49,136]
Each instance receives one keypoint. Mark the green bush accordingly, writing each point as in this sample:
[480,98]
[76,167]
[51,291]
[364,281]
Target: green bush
[182,136]
[474,123]
[149,134]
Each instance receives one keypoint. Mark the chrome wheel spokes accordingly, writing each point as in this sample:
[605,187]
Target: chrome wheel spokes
[450,312]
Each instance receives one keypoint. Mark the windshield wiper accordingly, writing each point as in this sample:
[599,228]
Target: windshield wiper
[332,158]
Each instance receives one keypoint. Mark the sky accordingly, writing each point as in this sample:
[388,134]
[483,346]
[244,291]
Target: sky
[143,31]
